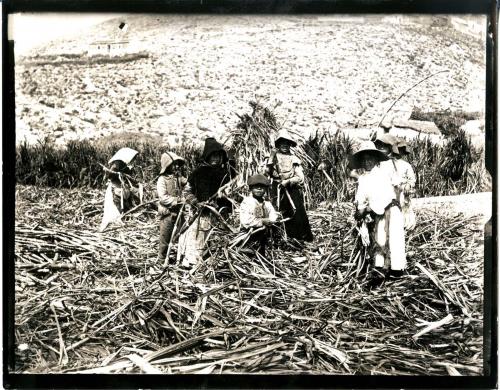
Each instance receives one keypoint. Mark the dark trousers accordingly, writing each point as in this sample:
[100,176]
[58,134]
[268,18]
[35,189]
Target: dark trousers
[166,228]
[298,226]
[258,241]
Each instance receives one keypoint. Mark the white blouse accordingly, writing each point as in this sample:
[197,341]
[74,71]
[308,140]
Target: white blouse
[376,189]
[252,212]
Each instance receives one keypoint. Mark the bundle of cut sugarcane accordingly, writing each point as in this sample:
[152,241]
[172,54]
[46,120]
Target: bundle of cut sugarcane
[253,141]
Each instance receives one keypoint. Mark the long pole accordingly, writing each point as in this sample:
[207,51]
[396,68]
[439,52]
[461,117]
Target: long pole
[408,90]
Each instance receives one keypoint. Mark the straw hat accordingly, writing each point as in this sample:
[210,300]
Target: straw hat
[366,148]
[258,179]
[389,140]
[167,159]
[124,154]
[283,134]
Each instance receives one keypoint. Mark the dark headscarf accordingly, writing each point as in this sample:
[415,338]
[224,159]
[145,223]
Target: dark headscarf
[212,146]
[206,180]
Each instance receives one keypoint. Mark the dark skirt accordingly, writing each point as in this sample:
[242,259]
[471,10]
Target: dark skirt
[298,226]
[258,241]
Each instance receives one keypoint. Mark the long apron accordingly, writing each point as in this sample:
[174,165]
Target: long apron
[192,241]
[111,211]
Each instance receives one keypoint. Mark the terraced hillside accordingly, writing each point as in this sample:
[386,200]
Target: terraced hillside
[322,72]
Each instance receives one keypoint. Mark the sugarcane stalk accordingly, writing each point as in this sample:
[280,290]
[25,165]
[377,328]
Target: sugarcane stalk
[139,206]
[327,176]
[205,205]
[174,230]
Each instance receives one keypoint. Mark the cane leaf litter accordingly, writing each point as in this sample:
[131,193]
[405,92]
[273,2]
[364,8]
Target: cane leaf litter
[89,302]
[92,302]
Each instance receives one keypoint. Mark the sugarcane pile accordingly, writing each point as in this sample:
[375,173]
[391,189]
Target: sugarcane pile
[253,139]
[100,302]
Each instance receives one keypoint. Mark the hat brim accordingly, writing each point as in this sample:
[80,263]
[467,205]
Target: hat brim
[291,141]
[222,151]
[259,184]
[394,148]
[355,159]
[176,159]
[127,155]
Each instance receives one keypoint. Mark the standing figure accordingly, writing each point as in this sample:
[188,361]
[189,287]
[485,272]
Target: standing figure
[408,180]
[122,191]
[170,185]
[257,213]
[388,144]
[287,177]
[377,205]
[203,185]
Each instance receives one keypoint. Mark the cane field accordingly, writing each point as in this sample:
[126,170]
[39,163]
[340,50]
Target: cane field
[92,302]
[101,303]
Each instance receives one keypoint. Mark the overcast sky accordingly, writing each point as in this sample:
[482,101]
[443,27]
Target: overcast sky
[30,29]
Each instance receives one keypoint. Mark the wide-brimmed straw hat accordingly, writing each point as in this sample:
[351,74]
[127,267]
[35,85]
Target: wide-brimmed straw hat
[124,154]
[284,135]
[167,159]
[389,140]
[258,180]
[403,146]
[365,148]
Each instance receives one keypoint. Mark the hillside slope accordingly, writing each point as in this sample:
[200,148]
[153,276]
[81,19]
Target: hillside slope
[323,73]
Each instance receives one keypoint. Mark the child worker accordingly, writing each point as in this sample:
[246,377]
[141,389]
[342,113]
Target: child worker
[122,190]
[256,213]
[377,204]
[408,180]
[388,144]
[170,185]
[285,170]
[204,184]
[402,174]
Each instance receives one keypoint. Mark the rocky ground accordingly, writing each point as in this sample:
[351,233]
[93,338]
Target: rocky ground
[321,73]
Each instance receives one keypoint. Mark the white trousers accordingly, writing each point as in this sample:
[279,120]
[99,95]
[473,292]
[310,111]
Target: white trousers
[396,237]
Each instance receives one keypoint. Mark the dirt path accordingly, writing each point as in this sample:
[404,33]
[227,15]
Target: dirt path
[469,205]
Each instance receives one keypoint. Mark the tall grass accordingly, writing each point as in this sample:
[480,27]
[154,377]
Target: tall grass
[82,59]
[455,168]
[447,121]
[79,162]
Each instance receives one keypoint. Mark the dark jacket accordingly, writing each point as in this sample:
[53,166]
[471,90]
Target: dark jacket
[206,180]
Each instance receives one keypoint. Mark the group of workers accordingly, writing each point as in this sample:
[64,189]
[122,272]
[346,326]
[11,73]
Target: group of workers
[386,184]
[189,207]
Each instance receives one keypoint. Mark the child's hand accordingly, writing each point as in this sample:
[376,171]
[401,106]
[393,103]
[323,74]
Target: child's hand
[365,236]
[284,182]
[222,193]
[266,221]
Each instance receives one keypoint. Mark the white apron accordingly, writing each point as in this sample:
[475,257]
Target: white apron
[111,212]
[192,242]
